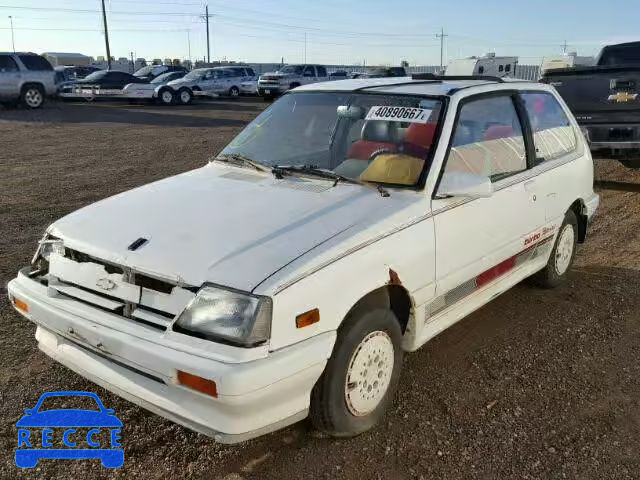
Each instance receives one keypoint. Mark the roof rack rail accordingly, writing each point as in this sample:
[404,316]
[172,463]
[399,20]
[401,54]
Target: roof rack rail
[433,76]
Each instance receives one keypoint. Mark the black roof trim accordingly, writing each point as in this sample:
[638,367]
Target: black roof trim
[397,84]
[444,78]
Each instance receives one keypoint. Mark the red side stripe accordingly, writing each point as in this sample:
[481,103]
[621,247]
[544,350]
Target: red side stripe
[503,267]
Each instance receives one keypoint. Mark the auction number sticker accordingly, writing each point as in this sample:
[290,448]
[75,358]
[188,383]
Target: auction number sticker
[399,114]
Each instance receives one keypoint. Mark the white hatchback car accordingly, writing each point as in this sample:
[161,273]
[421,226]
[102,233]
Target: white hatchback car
[349,223]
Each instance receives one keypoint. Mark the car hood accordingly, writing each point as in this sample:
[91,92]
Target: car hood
[277,75]
[69,418]
[182,83]
[222,224]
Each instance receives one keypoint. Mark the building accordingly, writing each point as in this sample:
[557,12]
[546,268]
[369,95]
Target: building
[59,59]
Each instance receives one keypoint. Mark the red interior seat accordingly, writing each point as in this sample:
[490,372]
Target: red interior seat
[419,139]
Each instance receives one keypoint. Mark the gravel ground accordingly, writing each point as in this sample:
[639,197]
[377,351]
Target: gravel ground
[548,391]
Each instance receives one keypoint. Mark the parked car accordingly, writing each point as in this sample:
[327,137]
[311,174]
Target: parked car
[381,72]
[344,226]
[156,90]
[339,75]
[203,80]
[150,72]
[605,99]
[225,81]
[105,83]
[289,77]
[25,78]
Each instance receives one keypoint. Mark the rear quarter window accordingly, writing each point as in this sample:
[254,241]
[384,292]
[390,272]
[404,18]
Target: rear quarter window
[7,64]
[553,134]
[35,63]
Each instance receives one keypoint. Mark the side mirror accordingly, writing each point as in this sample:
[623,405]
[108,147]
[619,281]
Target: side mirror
[461,184]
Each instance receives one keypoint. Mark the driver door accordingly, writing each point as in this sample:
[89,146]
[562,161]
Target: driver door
[478,240]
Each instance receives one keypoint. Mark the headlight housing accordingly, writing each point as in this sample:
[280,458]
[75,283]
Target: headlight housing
[47,246]
[227,315]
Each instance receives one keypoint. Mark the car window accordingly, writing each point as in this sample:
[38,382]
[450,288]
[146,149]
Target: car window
[553,134]
[507,68]
[309,71]
[488,139]
[250,72]
[322,71]
[35,62]
[64,402]
[481,69]
[7,64]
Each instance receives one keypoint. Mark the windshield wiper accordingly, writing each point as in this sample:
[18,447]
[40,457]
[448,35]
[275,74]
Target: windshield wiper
[280,171]
[237,159]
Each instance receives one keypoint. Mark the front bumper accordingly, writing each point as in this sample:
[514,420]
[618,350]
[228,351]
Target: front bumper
[254,397]
[269,89]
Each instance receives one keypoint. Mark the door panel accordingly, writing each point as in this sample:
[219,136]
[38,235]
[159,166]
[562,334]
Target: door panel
[478,239]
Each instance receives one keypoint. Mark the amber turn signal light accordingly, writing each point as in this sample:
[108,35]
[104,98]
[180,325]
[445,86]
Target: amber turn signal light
[308,318]
[202,385]
[20,305]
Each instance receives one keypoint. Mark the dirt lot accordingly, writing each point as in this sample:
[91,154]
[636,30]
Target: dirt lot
[536,385]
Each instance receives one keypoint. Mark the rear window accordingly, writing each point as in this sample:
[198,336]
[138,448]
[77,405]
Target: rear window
[621,55]
[35,62]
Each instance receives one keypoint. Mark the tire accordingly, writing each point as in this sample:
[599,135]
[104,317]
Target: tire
[166,97]
[354,392]
[32,96]
[185,96]
[562,255]
[234,92]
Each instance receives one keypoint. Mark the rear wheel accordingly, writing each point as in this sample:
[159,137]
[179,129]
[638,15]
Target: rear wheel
[562,255]
[361,377]
[234,92]
[185,96]
[32,96]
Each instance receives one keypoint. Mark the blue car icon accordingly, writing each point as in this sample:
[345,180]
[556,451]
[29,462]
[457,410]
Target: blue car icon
[39,444]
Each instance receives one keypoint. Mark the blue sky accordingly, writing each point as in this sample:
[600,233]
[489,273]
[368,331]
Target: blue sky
[337,31]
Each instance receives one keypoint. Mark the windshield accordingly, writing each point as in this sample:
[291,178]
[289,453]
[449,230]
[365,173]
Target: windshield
[165,77]
[196,74]
[370,137]
[144,71]
[297,69]
[96,75]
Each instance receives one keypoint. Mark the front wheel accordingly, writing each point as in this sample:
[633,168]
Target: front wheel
[165,97]
[562,255]
[361,377]
[234,92]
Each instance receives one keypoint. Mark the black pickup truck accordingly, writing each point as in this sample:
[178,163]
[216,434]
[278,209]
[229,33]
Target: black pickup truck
[605,99]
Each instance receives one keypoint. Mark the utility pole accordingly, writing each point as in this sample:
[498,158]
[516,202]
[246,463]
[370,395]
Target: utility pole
[441,36]
[564,47]
[106,36]
[133,64]
[189,46]
[13,41]
[206,16]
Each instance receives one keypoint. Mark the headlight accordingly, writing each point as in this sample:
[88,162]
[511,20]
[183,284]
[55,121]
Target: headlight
[227,315]
[47,246]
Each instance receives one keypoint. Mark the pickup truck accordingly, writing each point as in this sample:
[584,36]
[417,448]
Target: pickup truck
[289,77]
[605,100]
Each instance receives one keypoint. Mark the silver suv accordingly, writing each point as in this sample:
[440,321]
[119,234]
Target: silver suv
[26,78]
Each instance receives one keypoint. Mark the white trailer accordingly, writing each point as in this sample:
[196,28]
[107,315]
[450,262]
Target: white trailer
[488,65]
